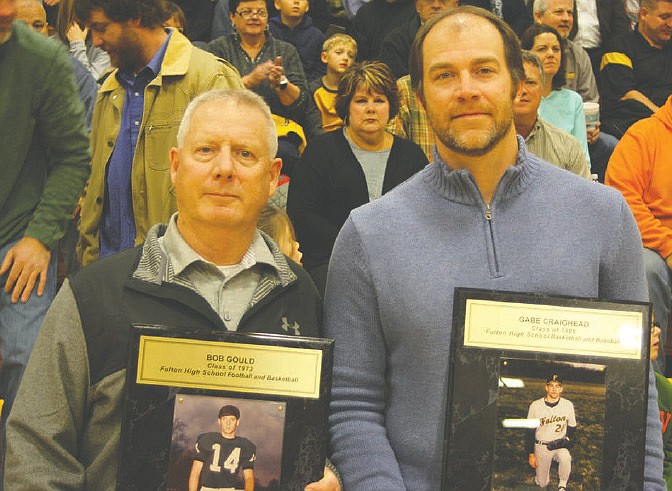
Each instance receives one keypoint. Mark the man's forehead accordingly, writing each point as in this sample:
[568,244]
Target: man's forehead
[560,4]
[662,7]
[531,70]
[218,110]
[227,121]
[461,24]
[97,16]
[437,46]
[30,10]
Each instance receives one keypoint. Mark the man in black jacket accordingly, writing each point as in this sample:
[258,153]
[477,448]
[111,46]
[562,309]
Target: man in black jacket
[396,47]
[209,268]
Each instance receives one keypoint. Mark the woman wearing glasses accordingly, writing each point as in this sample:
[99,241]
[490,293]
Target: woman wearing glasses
[270,67]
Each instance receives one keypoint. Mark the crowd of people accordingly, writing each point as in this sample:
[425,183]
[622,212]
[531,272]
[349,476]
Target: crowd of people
[151,148]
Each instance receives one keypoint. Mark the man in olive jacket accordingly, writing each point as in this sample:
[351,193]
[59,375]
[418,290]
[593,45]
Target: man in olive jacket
[138,110]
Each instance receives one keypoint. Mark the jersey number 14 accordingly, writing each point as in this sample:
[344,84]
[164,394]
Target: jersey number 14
[231,462]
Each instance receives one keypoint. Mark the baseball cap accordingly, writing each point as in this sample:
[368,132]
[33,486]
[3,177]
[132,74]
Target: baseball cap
[554,378]
[229,410]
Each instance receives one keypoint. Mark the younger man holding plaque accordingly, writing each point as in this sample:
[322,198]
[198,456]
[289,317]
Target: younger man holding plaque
[209,269]
[484,214]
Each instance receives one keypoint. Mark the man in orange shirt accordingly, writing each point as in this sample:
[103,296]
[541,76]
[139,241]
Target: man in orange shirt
[641,168]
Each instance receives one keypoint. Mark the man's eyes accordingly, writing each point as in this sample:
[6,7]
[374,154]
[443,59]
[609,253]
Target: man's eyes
[444,75]
[99,28]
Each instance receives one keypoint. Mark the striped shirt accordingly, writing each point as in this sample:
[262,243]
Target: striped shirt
[557,147]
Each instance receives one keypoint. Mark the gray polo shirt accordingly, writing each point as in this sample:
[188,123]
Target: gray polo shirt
[228,289]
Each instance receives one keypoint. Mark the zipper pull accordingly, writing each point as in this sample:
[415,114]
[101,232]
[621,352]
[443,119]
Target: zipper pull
[488,213]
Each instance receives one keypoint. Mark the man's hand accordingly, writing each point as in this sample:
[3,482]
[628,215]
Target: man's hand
[592,132]
[533,461]
[328,483]
[29,260]
[76,33]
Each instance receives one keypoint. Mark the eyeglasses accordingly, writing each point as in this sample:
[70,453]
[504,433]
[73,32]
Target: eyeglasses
[248,13]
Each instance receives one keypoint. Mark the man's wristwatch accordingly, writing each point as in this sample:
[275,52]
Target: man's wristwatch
[283,83]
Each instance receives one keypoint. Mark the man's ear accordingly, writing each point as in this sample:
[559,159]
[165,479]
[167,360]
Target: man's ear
[275,168]
[323,57]
[174,156]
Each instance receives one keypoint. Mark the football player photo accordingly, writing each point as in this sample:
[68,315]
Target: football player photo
[225,444]
[220,456]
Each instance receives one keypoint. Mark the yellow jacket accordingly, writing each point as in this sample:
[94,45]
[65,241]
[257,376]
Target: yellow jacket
[186,71]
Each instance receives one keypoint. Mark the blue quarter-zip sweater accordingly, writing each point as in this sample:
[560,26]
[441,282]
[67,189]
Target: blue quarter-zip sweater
[389,300]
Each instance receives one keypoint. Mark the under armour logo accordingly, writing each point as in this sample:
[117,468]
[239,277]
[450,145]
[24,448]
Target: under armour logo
[286,326]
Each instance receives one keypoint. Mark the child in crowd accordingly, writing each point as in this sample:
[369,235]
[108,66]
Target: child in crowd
[338,53]
[296,28]
[177,18]
[274,222]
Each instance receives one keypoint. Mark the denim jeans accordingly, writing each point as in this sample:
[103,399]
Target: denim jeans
[19,325]
[659,281]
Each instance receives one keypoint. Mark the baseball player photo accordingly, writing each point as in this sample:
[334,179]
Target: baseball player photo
[550,440]
[220,457]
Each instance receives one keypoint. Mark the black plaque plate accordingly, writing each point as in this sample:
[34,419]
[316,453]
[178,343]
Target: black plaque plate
[164,414]
[505,345]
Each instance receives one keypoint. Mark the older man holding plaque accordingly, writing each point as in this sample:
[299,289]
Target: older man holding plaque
[209,268]
[485,214]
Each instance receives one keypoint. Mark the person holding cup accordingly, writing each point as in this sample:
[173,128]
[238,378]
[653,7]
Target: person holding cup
[560,107]
[592,112]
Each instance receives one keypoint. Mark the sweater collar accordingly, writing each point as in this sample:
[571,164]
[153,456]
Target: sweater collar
[460,186]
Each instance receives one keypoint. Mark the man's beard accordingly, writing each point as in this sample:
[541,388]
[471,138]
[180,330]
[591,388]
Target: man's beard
[457,141]
[127,57]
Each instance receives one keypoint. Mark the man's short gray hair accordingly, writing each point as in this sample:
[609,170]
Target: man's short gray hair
[540,6]
[235,97]
[532,58]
